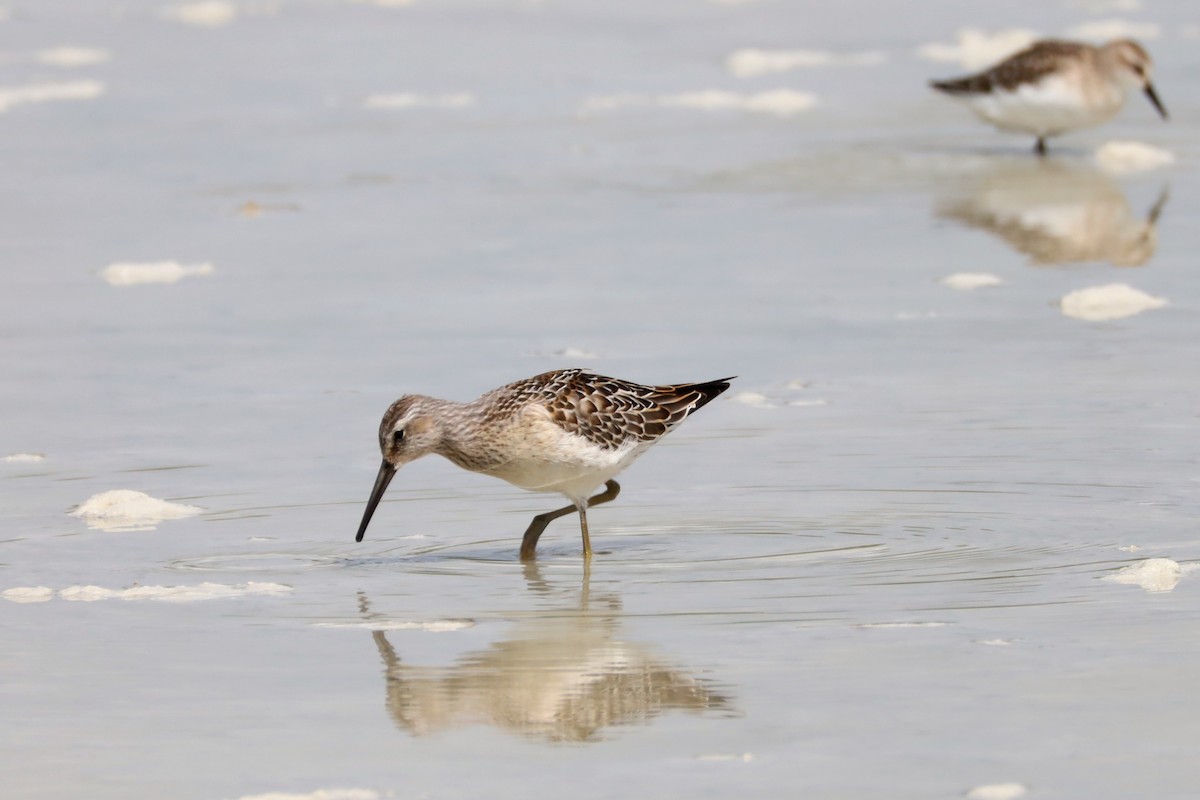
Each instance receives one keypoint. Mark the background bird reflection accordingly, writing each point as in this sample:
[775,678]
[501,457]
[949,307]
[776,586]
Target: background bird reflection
[1057,212]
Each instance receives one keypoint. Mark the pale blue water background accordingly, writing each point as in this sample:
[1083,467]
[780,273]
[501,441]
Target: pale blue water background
[978,462]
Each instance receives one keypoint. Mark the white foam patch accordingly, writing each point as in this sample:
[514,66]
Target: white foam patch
[434,626]
[1107,6]
[1102,30]
[1132,548]
[776,102]
[903,625]
[1107,302]
[995,642]
[131,274]
[968,281]
[911,316]
[745,758]
[28,594]
[73,56]
[576,352]
[319,794]
[780,102]
[206,14]
[12,96]
[127,510]
[753,399]
[749,62]
[408,100]
[174,594]
[1126,157]
[997,791]
[24,458]
[976,48]
[1155,575]
[808,403]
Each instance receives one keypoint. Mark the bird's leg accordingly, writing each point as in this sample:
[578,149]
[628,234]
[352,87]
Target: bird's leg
[534,531]
[587,543]
[1040,147]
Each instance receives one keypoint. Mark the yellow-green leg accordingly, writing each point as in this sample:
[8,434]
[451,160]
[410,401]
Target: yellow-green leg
[534,531]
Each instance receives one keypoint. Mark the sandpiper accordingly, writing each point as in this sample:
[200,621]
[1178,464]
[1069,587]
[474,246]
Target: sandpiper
[566,431]
[1053,87]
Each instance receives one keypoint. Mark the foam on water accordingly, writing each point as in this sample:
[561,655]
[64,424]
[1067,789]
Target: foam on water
[1155,575]
[174,594]
[781,102]
[1107,6]
[318,794]
[128,510]
[1127,157]
[976,48]
[1103,30]
[11,96]
[73,56]
[1108,302]
[406,100]
[777,102]
[205,14]
[966,281]
[131,274]
[435,626]
[754,400]
[24,458]
[997,791]
[749,62]
[28,594]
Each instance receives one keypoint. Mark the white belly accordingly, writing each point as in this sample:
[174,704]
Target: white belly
[1052,106]
[574,472]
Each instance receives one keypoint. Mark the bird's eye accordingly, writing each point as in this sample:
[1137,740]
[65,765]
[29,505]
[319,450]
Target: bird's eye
[398,436]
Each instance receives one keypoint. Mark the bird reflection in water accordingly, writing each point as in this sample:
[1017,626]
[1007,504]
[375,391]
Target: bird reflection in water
[1058,213]
[566,676]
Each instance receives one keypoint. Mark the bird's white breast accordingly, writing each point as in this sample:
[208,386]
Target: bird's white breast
[543,457]
[1055,104]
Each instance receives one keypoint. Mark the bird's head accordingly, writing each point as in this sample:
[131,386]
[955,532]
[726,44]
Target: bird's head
[1134,69]
[409,430]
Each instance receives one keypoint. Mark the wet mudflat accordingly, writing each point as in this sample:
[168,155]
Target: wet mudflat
[937,539]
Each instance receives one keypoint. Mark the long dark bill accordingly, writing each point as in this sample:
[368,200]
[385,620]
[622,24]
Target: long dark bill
[1153,95]
[386,471]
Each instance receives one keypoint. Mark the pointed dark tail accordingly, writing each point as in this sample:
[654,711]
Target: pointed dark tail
[971,85]
[708,390]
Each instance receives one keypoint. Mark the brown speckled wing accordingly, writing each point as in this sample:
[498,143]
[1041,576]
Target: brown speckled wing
[609,412]
[1027,66]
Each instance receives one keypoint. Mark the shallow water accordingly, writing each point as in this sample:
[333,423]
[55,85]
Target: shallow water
[878,567]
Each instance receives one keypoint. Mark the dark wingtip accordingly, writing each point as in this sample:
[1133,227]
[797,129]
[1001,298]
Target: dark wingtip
[711,389]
